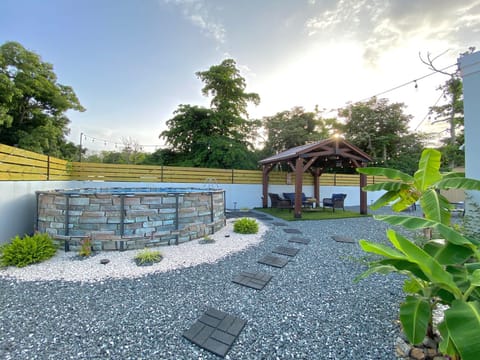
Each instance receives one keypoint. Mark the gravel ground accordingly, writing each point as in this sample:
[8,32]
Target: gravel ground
[311,309]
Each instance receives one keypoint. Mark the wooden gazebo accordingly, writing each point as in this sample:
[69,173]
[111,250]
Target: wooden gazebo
[314,158]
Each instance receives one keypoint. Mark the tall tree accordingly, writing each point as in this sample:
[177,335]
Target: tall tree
[33,104]
[451,112]
[381,129]
[219,136]
[295,127]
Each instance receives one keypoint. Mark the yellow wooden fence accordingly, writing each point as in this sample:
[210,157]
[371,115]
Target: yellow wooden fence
[18,164]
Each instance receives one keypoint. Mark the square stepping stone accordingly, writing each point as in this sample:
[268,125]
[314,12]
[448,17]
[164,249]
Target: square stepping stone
[274,261]
[215,331]
[284,250]
[255,280]
[343,239]
[292,231]
[277,223]
[299,240]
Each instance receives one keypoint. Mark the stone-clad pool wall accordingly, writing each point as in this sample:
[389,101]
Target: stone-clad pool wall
[124,219]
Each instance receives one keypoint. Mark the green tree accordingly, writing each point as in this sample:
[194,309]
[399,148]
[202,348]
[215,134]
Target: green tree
[452,113]
[381,130]
[33,104]
[295,127]
[220,136]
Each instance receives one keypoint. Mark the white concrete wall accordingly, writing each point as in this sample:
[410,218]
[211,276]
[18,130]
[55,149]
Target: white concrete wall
[18,201]
[470,70]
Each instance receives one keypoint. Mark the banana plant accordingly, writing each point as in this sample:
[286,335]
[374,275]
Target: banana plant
[444,270]
[404,190]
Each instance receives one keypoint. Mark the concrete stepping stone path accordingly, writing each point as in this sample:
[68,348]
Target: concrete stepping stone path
[215,331]
[254,280]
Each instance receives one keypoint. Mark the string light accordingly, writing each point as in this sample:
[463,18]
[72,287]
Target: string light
[116,144]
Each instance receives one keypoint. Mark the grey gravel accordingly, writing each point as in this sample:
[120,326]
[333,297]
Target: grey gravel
[311,309]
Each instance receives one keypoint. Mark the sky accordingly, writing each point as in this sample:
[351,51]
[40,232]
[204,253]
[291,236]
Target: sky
[133,62]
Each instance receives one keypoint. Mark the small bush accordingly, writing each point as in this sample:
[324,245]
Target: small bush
[28,250]
[245,226]
[148,257]
[85,247]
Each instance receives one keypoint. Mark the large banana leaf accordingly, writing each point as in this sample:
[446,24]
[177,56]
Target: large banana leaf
[407,221]
[446,345]
[426,263]
[385,199]
[389,173]
[380,249]
[448,253]
[388,186]
[375,268]
[405,266]
[428,172]
[435,206]
[463,323]
[415,316]
[453,174]
[458,183]
[415,223]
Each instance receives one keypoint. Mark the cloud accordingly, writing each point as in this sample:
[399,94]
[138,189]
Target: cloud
[382,25]
[198,13]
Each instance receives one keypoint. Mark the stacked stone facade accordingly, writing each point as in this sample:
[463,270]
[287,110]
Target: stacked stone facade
[115,221]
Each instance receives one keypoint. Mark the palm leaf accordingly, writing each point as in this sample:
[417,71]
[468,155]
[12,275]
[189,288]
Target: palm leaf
[388,186]
[453,174]
[381,249]
[428,171]
[446,345]
[410,222]
[415,315]
[463,323]
[459,183]
[435,206]
[448,254]
[430,267]
[415,223]
[389,173]
[385,199]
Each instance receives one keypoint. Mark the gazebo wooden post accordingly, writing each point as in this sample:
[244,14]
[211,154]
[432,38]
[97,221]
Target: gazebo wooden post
[298,187]
[316,185]
[363,194]
[265,170]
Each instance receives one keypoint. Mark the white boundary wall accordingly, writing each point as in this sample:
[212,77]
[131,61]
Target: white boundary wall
[470,70]
[18,201]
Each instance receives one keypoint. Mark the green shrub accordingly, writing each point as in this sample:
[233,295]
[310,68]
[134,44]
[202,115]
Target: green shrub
[148,257]
[28,250]
[245,226]
[85,247]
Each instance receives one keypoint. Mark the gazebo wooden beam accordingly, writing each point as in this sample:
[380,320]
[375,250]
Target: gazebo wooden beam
[331,152]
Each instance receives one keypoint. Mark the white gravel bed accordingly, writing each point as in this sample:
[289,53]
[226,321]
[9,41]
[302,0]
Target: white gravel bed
[66,265]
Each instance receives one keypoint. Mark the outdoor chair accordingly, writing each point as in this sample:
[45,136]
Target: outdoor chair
[335,202]
[305,201]
[278,202]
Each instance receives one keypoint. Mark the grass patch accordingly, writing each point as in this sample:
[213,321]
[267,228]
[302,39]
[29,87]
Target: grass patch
[311,214]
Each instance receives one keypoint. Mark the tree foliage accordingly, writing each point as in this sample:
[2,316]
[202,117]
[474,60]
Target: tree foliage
[381,130]
[295,127]
[452,113]
[33,104]
[220,136]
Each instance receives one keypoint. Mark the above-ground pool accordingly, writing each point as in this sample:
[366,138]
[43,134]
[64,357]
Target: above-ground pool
[129,218]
